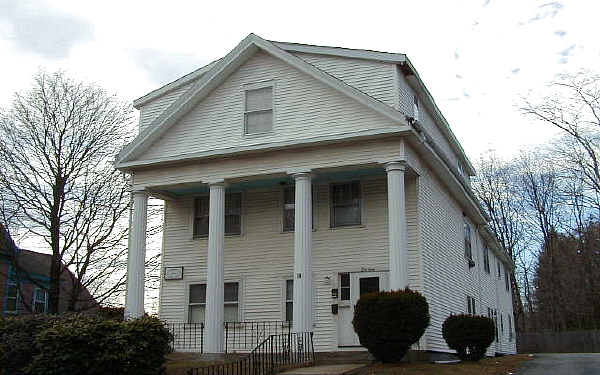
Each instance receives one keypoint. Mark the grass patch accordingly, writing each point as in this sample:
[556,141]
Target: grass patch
[487,366]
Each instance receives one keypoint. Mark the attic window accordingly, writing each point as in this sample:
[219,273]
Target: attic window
[258,115]
[416,107]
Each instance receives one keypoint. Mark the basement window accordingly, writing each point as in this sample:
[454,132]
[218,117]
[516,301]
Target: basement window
[258,114]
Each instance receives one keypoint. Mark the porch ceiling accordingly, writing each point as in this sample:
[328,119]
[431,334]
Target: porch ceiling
[321,175]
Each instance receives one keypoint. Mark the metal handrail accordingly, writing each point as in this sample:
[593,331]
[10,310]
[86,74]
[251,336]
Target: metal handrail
[274,352]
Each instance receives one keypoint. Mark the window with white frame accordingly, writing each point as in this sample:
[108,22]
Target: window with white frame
[345,204]
[510,329]
[12,297]
[233,214]
[486,258]
[416,107]
[197,303]
[289,300]
[499,272]
[40,301]
[289,208]
[471,305]
[344,286]
[501,325]
[506,279]
[258,115]
[467,233]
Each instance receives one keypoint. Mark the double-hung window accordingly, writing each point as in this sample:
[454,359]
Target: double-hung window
[233,214]
[467,234]
[471,305]
[289,300]
[510,329]
[345,287]
[12,297]
[499,272]
[506,279]
[197,303]
[345,204]
[258,115]
[486,258]
[40,301]
[289,208]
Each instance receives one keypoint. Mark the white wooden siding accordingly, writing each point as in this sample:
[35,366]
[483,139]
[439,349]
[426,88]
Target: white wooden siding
[336,155]
[374,78]
[405,105]
[447,278]
[150,111]
[303,107]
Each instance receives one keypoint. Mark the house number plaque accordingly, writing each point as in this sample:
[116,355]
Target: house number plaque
[173,273]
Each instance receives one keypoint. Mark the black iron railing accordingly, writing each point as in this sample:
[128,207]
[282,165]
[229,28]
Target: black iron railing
[245,336]
[187,336]
[270,356]
[239,336]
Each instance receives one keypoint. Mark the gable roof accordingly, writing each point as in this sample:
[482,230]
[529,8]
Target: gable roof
[395,58]
[221,70]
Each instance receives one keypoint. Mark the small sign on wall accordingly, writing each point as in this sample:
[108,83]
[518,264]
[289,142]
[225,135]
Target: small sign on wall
[173,273]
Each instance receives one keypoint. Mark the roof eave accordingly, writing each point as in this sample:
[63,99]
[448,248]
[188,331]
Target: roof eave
[440,118]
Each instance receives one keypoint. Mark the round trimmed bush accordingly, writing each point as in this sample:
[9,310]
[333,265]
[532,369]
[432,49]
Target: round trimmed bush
[388,323]
[469,335]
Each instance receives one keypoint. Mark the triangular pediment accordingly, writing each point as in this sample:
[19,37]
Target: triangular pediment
[154,141]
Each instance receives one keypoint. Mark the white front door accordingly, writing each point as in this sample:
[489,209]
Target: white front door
[351,286]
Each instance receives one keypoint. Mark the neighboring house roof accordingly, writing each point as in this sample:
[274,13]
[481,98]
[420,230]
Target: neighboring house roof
[37,265]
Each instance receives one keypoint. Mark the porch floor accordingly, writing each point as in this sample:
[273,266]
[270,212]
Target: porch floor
[324,370]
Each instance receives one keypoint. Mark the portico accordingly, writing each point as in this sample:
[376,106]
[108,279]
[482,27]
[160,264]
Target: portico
[394,172]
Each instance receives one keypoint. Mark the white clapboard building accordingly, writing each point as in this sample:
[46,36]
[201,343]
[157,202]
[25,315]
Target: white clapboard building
[295,178]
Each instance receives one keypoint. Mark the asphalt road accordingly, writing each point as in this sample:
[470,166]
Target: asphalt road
[562,364]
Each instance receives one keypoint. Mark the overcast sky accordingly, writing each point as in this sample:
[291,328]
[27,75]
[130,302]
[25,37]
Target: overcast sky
[478,58]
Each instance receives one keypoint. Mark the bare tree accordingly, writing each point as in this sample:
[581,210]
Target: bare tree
[497,190]
[573,107]
[57,142]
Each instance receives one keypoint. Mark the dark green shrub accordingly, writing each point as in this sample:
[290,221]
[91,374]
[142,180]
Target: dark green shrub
[17,341]
[469,335]
[111,312]
[388,323]
[80,344]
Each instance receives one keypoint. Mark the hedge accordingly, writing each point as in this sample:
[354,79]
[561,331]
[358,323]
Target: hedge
[79,344]
[388,323]
[469,335]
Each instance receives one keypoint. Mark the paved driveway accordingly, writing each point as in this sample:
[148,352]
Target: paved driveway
[562,364]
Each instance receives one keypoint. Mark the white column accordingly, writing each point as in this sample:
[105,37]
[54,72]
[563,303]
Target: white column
[213,321]
[134,303]
[303,254]
[398,254]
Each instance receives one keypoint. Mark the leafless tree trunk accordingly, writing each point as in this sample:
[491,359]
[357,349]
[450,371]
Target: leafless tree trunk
[57,142]
[495,186]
